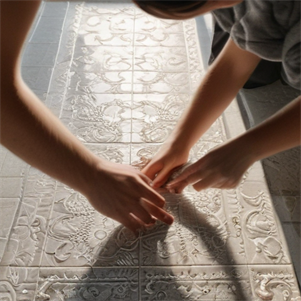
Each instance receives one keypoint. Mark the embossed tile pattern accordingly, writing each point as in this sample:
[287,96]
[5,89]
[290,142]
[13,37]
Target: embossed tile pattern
[120,81]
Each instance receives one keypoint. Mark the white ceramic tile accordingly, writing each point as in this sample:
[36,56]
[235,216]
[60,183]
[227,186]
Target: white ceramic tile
[162,83]
[234,124]
[264,239]
[117,153]
[255,173]
[8,208]
[199,235]
[54,102]
[145,23]
[18,283]
[39,185]
[99,132]
[165,59]
[196,283]
[3,242]
[49,30]
[13,166]
[80,236]
[55,9]
[40,54]
[3,152]
[88,284]
[121,81]
[112,24]
[25,244]
[11,187]
[159,108]
[112,111]
[195,80]
[157,38]
[100,59]
[37,77]
[275,283]
[151,132]
[107,82]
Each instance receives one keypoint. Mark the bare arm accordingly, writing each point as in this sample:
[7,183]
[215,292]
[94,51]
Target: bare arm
[221,84]
[280,132]
[224,166]
[225,77]
[30,130]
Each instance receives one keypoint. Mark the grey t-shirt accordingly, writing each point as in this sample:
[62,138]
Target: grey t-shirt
[268,28]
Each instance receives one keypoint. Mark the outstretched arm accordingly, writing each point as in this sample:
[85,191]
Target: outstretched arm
[30,130]
[224,166]
[222,82]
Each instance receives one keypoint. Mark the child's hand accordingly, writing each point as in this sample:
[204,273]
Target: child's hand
[164,163]
[124,194]
[223,167]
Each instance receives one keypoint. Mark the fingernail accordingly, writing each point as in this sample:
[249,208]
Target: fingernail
[171,190]
[168,219]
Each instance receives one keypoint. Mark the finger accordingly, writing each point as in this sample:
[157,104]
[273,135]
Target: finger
[157,212]
[130,222]
[228,185]
[207,182]
[189,174]
[151,169]
[191,179]
[146,179]
[179,187]
[162,177]
[154,197]
[143,215]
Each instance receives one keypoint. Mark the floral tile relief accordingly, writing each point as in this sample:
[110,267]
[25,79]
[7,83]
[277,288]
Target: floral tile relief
[88,284]
[275,283]
[18,283]
[120,83]
[196,283]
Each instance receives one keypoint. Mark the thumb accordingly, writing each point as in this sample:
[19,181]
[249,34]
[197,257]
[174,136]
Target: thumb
[183,176]
[162,177]
[151,169]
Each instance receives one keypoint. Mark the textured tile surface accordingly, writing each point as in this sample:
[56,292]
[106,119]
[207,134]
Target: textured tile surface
[120,81]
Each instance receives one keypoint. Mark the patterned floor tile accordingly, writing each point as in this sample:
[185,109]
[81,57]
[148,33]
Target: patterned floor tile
[88,284]
[196,283]
[18,283]
[121,79]
[275,283]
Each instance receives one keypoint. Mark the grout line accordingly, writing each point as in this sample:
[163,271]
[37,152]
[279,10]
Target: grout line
[72,56]
[37,21]
[57,53]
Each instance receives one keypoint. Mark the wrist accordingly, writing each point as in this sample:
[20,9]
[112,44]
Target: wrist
[247,147]
[92,173]
[179,142]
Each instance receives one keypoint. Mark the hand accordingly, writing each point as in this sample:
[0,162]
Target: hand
[164,163]
[223,167]
[123,193]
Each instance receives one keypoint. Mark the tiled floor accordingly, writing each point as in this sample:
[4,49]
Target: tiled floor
[119,80]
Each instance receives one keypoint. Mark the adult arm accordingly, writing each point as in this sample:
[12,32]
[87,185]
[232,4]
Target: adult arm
[222,82]
[34,134]
[224,166]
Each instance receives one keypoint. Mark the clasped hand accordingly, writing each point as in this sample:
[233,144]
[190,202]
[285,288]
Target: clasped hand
[222,168]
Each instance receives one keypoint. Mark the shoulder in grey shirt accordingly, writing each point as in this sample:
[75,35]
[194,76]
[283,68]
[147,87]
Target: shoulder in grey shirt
[268,28]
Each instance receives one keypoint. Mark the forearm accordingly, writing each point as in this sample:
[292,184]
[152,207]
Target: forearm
[278,133]
[33,133]
[219,87]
